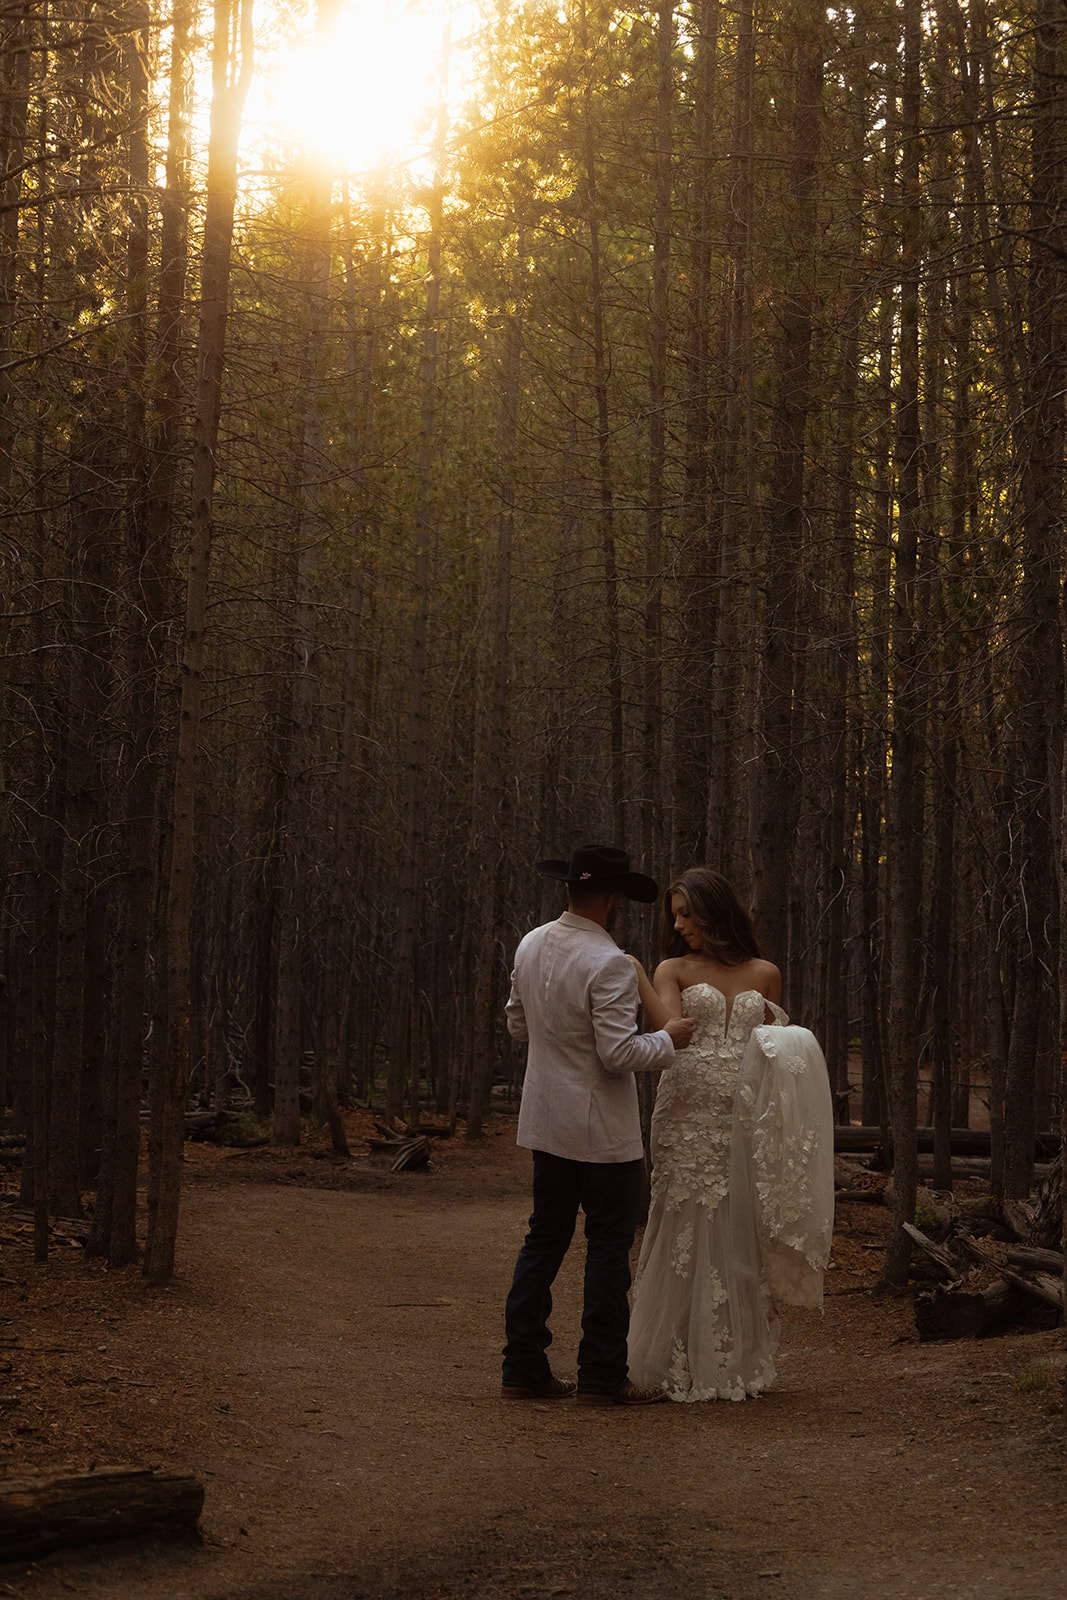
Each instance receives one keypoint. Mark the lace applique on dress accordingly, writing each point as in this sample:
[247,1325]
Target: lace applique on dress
[785,1158]
[703,1320]
[691,1121]
[683,1248]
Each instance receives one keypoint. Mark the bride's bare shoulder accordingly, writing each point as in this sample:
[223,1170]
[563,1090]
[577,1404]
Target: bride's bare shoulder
[766,979]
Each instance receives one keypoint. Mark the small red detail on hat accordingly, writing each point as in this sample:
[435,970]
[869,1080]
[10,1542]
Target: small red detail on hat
[585,874]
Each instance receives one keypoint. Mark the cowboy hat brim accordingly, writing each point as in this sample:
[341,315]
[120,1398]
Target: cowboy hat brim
[634,885]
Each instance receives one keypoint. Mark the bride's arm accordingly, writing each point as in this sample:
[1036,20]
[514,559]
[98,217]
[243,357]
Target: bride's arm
[668,988]
[654,1009]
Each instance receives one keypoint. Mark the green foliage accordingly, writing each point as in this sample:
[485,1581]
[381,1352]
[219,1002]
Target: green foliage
[244,1132]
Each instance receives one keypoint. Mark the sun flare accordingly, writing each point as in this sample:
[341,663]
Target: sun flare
[359,96]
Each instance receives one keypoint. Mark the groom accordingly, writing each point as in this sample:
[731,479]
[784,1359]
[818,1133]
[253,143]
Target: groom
[574,998]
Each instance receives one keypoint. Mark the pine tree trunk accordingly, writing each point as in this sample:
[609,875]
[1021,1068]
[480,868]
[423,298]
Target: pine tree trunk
[906,791]
[113,1231]
[404,1066]
[170,1084]
[341,980]
[605,468]
[652,807]
[15,61]
[775,880]
[291,1037]
[491,807]
[1038,663]
[691,694]
[726,828]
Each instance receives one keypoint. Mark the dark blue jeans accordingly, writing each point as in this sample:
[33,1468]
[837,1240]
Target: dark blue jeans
[610,1194]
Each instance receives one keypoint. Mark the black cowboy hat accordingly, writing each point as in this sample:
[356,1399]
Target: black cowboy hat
[601,865]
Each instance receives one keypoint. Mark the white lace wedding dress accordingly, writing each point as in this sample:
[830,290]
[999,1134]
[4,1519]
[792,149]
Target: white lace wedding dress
[742,1200]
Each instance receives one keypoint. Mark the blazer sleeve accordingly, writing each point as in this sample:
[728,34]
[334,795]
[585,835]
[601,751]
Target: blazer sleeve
[516,1015]
[613,999]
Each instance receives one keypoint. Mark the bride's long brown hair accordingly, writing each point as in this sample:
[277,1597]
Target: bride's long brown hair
[729,936]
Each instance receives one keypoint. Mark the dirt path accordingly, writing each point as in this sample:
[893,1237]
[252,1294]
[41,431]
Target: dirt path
[328,1364]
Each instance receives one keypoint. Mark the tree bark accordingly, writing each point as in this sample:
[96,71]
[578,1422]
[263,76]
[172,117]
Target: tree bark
[113,1231]
[295,833]
[784,650]
[690,696]
[55,1511]
[492,809]
[590,205]
[727,828]
[652,820]
[906,790]
[1038,664]
[230,83]
[404,1067]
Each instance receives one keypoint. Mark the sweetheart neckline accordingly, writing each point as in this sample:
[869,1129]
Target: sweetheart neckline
[729,1001]
[716,990]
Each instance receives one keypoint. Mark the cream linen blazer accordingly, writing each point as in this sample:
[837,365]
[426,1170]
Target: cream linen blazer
[574,998]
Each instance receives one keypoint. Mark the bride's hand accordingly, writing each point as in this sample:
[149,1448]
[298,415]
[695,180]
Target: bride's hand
[680,1030]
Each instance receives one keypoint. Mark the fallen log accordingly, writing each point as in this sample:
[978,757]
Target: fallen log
[962,1306]
[939,1254]
[399,1129]
[412,1153]
[1018,1216]
[1047,1226]
[965,1141]
[412,1147]
[1040,1285]
[46,1513]
[985,1252]
[962,1167]
[1035,1259]
[955,1312]
[198,1124]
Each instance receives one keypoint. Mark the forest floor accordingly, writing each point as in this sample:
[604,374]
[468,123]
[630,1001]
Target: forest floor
[327,1364]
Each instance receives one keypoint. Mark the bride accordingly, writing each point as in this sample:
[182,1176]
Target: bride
[742,1159]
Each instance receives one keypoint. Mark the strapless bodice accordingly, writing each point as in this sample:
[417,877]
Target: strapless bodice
[723,1024]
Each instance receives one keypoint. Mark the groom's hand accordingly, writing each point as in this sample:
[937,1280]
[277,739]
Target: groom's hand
[680,1030]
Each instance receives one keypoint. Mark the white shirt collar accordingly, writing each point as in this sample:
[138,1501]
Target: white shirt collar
[571,919]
